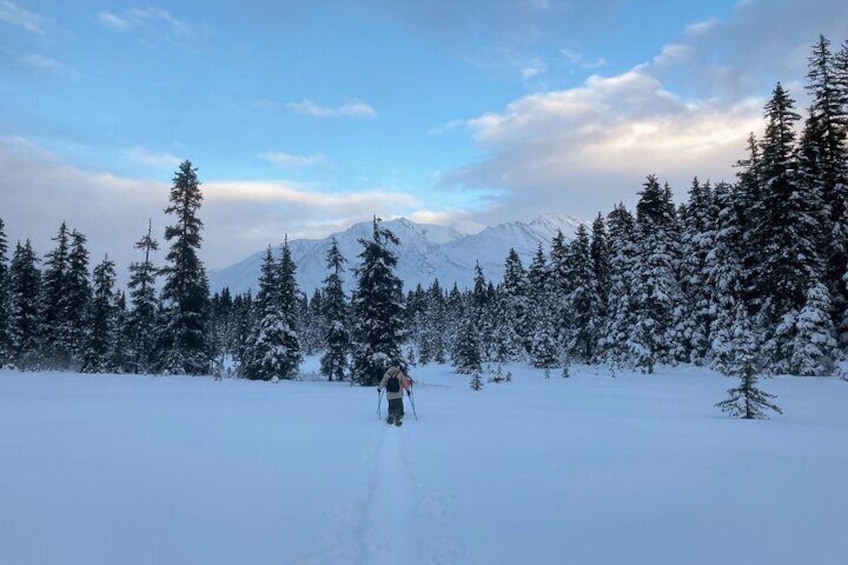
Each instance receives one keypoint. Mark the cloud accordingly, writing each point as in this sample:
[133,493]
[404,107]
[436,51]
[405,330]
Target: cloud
[287,160]
[38,191]
[702,27]
[578,60]
[43,64]
[760,43]
[582,150]
[350,109]
[145,156]
[684,112]
[156,21]
[13,14]
[110,20]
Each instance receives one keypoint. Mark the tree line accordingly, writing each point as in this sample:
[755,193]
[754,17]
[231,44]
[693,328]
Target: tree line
[753,269]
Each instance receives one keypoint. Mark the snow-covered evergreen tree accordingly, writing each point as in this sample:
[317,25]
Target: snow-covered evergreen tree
[600,254]
[378,308]
[184,343]
[336,314]
[514,322]
[694,314]
[745,401]
[24,316]
[144,306]
[544,350]
[725,271]
[814,350]
[654,284]
[824,169]
[559,280]
[313,327]
[621,321]
[78,297]
[431,324]
[5,344]
[290,299]
[273,351]
[100,334]
[120,352]
[481,309]
[582,299]
[466,359]
[55,352]
[788,236]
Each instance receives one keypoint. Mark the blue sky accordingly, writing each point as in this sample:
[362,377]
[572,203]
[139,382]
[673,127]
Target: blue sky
[305,117]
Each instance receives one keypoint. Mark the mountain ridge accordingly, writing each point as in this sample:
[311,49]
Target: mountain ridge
[426,252]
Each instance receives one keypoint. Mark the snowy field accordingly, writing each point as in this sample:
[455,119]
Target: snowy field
[124,470]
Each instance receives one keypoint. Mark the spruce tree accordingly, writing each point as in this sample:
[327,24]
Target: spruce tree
[5,344]
[78,297]
[467,356]
[430,324]
[24,315]
[600,255]
[273,351]
[654,283]
[745,401]
[144,307]
[514,321]
[694,315]
[334,361]
[55,351]
[378,308]
[815,348]
[543,336]
[824,169]
[290,298]
[725,271]
[583,299]
[561,286]
[101,334]
[184,346]
[788,235]
[621,321]
[481,310]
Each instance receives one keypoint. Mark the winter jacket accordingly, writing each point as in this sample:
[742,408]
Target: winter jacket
[405,383]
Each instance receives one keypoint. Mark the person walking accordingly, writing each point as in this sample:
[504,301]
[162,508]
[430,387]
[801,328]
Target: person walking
[395,382]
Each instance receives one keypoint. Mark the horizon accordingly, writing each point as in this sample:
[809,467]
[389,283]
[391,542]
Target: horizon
[307,120]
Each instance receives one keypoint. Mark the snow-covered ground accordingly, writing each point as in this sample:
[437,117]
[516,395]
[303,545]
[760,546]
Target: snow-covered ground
[589,470]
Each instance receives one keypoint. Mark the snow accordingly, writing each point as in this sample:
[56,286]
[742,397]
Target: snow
[426,252]
[586,470]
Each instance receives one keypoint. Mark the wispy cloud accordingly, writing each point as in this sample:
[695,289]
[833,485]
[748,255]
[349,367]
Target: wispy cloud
[702,27]
[288,160]
[13,14]
[145,156]
[350,109]
[578,60]
[153,20]
[110,20]
[44,64]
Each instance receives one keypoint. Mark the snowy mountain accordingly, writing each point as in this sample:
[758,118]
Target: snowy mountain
[426,252]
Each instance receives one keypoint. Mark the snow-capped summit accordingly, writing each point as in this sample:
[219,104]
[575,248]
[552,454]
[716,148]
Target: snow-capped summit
[426,252]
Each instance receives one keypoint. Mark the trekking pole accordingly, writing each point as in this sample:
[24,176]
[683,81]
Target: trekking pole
[379,401]
[412,402]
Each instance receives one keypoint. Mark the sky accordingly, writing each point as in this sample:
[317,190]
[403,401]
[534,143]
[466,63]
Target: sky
[303,118]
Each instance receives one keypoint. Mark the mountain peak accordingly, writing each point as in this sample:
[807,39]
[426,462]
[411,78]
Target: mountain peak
[426,252]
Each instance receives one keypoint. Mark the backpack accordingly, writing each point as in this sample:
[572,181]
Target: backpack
[393,384]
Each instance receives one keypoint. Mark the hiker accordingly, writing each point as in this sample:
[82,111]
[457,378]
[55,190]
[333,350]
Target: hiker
[395,382]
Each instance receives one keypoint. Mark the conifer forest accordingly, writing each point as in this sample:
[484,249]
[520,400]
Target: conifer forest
[748,277]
